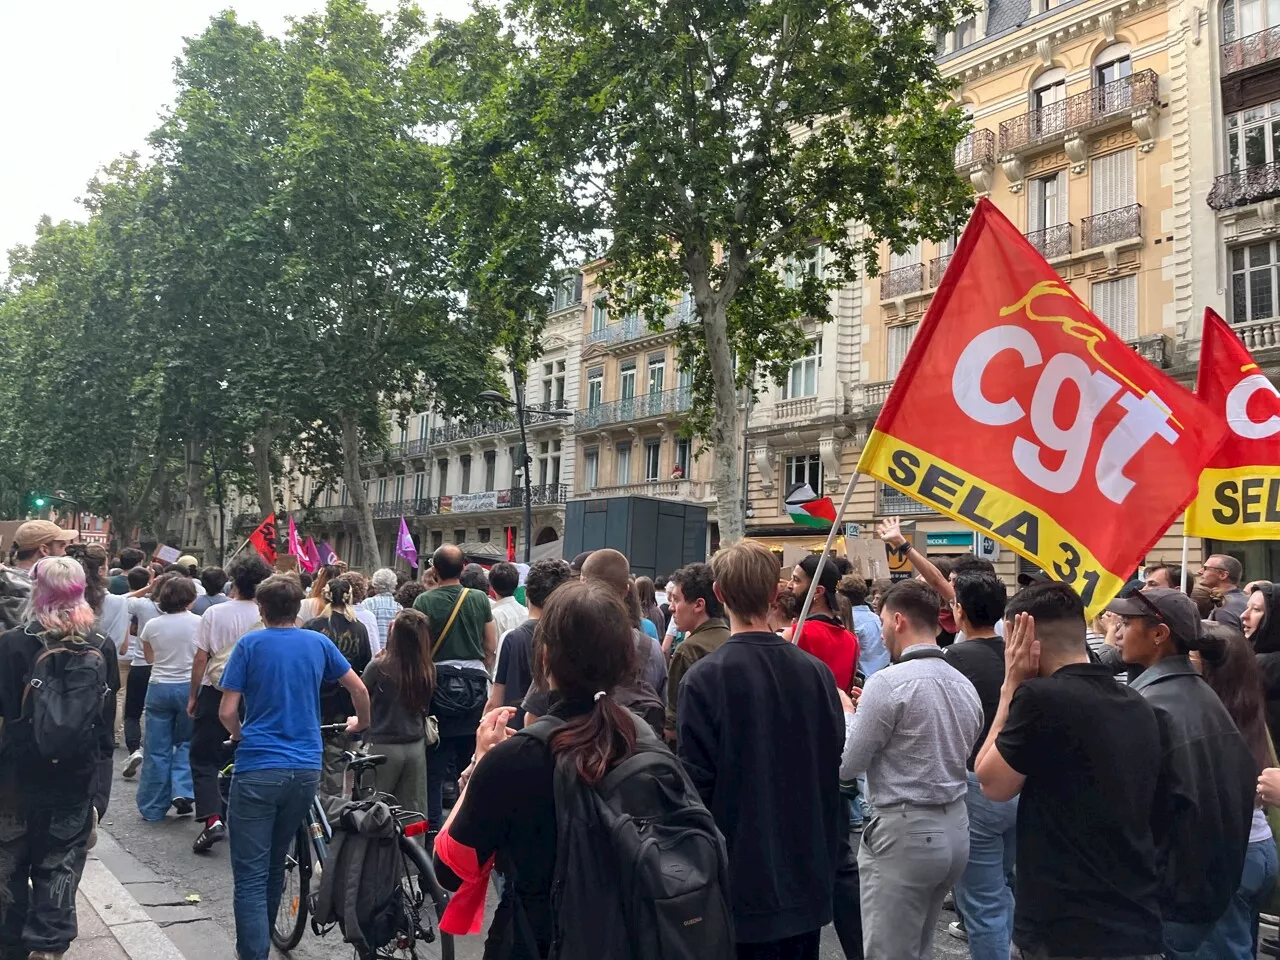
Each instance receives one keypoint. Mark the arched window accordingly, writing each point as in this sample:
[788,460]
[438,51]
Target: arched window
[1244,18]
[1112,64]
[1047,94]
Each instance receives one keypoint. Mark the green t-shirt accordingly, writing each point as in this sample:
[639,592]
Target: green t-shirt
[466,637]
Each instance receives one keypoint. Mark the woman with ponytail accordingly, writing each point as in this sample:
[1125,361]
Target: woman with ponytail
[584,650]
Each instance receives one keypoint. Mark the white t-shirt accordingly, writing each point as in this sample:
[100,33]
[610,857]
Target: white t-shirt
[223,624]
[114,619]
[370,621]
[507,615]
[144,610]
[172,637]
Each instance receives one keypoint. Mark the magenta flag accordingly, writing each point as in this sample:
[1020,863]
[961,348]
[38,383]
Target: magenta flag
[312,556]
[405,549]
[295,547]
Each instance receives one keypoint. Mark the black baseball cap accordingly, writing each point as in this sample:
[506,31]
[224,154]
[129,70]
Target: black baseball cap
[1036,576]
[1173,608]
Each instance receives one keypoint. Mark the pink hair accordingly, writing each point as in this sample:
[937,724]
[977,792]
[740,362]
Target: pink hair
[57,596]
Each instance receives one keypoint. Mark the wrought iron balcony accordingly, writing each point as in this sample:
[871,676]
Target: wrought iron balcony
[645,407]
[978,147]
[634,327]
[345,514]
[1052,241]
[900,282]
[937,267]
[1080,112]
[421,507]
[1250,185]
[534,413]
[512,497]
[1113,226]
[1251,51]
[893,503]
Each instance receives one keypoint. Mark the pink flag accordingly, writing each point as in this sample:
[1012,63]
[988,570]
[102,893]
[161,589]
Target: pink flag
[295,547]
[309,559]
[405,549]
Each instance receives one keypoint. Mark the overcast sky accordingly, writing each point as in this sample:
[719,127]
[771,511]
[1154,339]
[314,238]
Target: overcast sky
[85,80]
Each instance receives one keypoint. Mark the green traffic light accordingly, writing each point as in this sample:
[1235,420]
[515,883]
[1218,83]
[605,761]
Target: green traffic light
[39,501]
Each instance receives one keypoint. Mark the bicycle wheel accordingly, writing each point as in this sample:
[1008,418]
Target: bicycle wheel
[290,920]
[418,886]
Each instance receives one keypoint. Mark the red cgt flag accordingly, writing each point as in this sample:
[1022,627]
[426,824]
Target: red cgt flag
[1239,495]
[264,539]
[1021,414]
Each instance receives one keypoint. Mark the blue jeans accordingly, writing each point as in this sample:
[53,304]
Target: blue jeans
[166,763]
[1182,941]
[983,897]
[264,812]
[1235,935]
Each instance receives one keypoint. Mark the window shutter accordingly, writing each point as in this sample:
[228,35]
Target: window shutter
[1113,181]
[1115,303]
[900,338]
[1035,207]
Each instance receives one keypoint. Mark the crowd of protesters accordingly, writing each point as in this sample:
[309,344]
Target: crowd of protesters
[1080,789]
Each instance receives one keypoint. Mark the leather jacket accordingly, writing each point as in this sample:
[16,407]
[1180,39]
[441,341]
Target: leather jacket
[1204,802]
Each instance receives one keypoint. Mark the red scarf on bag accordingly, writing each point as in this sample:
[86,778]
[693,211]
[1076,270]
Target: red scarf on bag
[465,913]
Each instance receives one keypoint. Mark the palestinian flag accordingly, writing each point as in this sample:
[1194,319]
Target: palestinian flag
[808,509]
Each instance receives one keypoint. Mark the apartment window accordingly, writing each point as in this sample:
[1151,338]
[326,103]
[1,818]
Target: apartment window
[517,464]
[568,292]
[657,372]
[595,387]
[459,536]
[1047,202]
[547,382]
[1253,282]
[466,473]
[442,473]
[1113,182]
[591,468]
[908,258]
[1244,18]
[544,456]
[965,33]
[1050,89]
[684,458]
[811,263]
[1253,136]
[806,468]
[652,457]
[802,381]
[328,497]
[404,432]
[599,314]
[482,535]
[423,426]
[622,464]
[1115,303]
[558,395]
[1112,64]
[343,500]
[419,486]
[490,468]
[549,462]
[685,377]
[627,380]
[900,338]
[437,539]
[400,487]
[382,490]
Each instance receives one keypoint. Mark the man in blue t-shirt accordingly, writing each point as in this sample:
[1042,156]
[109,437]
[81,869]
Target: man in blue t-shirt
[278,671]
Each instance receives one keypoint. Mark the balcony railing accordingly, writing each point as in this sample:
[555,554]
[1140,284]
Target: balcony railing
[900,282]
[1111,227]
[1259,334]
[510,498]
[1080,112]
[894,502]
[635,327]
[1052,241]
[534,413]
[979,146]
[692,490]
[1250,185]
[421,507]
[795,409]
[875,394]
[636,408]
[1156,349]
[937,267]
[1251,51]
[336,514]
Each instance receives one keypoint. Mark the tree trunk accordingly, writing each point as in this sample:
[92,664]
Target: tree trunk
[355,489]
[262,441]
[726,423]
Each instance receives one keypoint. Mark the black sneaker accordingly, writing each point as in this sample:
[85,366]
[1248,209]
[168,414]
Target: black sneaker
[182,806]
[209,836]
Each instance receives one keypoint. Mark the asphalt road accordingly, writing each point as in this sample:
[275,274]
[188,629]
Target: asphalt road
[165,848]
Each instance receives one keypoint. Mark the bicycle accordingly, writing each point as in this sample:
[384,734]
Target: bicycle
[310,849]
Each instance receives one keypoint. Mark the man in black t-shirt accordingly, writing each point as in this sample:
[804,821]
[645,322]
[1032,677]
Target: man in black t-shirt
[984,899]
[1084,752]
[515,670]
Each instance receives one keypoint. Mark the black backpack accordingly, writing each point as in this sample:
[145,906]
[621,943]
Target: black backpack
[64,697]
[360,889]
[641,871]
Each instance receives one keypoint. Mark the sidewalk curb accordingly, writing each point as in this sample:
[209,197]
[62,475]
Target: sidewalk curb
[138,935]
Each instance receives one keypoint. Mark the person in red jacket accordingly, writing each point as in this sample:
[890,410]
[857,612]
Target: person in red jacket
[823,633]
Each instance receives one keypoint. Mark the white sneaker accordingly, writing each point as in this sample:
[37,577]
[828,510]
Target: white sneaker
[93,830]
[132,764]
[957,930]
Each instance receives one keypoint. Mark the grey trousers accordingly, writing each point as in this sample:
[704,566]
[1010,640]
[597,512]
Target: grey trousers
[404,775]
[909,857]
[333,771]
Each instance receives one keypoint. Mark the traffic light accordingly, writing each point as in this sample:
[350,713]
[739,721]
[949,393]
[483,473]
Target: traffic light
[40,502]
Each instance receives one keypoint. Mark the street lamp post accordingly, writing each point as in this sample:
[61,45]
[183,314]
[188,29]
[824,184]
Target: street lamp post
[493,396]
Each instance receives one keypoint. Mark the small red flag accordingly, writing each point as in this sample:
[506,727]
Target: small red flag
[264,539]
[511,544]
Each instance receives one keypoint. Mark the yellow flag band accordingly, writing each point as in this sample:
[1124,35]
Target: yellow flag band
[1237,503]
[1023,528]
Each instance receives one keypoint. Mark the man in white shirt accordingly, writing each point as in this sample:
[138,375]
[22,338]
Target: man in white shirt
[221,626]
[508,613]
